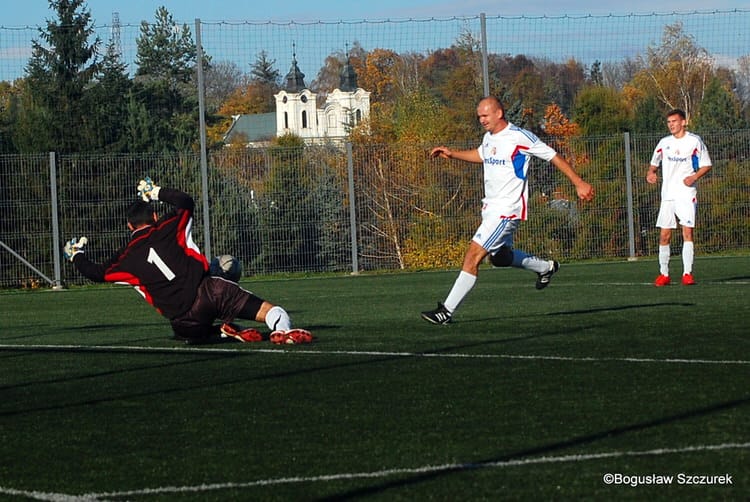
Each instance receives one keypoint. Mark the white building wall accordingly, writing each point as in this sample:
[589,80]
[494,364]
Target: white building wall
[333,120]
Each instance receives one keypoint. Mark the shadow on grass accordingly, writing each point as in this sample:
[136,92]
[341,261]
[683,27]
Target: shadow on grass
[381,488]
[203,355]
[623,307]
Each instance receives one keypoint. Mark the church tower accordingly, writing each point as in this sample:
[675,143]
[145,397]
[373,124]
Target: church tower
[296,106]
[347,105]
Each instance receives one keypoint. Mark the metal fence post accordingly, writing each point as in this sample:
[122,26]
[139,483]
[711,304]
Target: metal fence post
[629,193]
[352,208]
[204,159]
[55,220]
[485,64]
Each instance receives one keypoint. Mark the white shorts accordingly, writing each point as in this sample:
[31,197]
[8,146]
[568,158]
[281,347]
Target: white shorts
[495,231]
[671,211]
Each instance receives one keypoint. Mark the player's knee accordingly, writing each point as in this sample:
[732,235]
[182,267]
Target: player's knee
[503,257]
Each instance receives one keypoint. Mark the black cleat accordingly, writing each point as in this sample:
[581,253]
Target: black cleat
[438,316]
[542,280]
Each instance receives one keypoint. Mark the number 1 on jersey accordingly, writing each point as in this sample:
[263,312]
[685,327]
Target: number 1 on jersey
[155,259]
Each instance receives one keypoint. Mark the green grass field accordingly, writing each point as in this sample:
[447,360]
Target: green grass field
[533,395]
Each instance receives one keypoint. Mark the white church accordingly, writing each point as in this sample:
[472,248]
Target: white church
[297,112]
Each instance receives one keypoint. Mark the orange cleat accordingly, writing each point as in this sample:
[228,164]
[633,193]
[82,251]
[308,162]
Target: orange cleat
[688,280]
[662,280]
[292,336]
[243,335]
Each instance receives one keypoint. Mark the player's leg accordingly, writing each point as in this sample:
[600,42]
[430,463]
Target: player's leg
[492,234]
[276,318]
[666,221]
[685,211]
[192,333]
[219,298]
[502,254]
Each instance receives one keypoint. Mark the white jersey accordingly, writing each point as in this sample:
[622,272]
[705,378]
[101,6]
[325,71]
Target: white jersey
[679,158]
[506,155]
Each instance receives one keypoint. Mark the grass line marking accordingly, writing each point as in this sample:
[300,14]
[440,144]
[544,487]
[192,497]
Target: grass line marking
[90,497]
[373,353]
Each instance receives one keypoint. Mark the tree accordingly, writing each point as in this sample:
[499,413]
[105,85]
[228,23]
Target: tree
[9,100]
[263,70]
[329,75]
[287,220]
[107,101]
[719,110]
[561,82]
[742,79]
[165,51]
[58,73]
[221,80]
[596,77]
[378,74]
[678,71]
[649,115]
[164,86]
[601,110]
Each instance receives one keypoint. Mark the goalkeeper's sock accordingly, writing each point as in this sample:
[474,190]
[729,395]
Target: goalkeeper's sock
[278,320]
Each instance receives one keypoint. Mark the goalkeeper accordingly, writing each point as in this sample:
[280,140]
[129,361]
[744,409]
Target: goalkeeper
[165,266]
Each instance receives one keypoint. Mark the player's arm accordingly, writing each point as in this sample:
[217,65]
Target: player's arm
[148,191]
[74,251]
[465,155]
[651,176]
[585,191]
[690,180]
[177,198]
[87,268]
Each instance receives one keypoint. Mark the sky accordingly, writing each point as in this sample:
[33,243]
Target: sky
[36,12]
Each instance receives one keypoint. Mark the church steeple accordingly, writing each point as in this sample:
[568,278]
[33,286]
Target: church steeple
[348,78]
[295,79]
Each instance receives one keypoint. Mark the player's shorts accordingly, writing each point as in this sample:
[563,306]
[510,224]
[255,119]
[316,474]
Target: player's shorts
[217,298]
[671,211]
[496,230]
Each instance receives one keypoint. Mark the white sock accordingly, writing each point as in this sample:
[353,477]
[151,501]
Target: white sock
[278,319]
[464,282]
[664,259]
[687,257]
[522,259]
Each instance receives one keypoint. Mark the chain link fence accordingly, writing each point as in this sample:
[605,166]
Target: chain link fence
[346,208]
[343,208]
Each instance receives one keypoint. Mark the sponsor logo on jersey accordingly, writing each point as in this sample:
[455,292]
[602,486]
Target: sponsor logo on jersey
[673,158]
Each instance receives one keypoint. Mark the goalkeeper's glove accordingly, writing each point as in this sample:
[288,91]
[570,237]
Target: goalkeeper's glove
[73,247]
[147,190]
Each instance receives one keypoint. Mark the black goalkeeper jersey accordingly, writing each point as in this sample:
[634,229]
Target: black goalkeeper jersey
[160,261]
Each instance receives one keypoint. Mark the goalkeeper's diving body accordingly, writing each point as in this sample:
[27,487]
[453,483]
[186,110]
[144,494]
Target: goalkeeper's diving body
[165,266]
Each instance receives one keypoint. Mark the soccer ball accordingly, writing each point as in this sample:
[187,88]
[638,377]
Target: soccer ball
[227,267]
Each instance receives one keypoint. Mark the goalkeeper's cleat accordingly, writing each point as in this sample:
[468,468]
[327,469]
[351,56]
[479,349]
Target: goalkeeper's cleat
[662,280]
[243,335]
[688,279]
[440,315]
[542,280]
[291,336]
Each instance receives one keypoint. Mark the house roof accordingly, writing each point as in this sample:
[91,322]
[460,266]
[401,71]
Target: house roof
[260,126]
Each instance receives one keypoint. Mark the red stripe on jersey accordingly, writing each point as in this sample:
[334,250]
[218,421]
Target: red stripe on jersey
[182,236]
[128,278]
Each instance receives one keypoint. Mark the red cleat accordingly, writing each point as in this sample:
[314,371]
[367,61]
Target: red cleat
[662,280]
[688,280]
[243,335]
[292,336]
